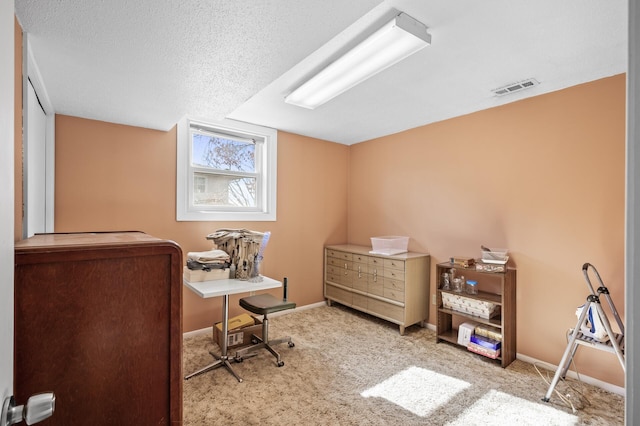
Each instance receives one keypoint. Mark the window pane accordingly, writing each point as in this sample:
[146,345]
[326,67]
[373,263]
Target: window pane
[199,184]
[223,154]
[221,190]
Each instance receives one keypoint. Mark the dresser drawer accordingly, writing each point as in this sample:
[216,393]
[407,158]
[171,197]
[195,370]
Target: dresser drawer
[339,275]
[360,282]
[375,288]
[393,284]
[340,263]
[387,310]
[340,254]
[334,270]
[360,258]
[338,294]
[346,278]
[395,274]
[334,278]
[360,301]
[393,264]
[393,294]
[377,262]
[375,269]
[360,268]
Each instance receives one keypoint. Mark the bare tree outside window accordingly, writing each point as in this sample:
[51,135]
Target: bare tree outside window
[225,172]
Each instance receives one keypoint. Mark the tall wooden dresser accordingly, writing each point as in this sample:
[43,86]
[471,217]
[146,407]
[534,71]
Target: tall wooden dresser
[394,288]
[98,321]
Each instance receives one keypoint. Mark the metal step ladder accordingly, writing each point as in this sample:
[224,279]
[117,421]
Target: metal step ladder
[576,337]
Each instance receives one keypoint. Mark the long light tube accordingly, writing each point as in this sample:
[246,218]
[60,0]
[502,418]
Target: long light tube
[396,40]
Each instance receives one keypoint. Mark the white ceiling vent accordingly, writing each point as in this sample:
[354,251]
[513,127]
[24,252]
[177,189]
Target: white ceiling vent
[515,87]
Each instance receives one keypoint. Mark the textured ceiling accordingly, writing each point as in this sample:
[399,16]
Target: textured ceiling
[149,62]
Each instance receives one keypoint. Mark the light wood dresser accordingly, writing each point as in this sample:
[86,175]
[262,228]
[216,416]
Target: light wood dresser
[394,288]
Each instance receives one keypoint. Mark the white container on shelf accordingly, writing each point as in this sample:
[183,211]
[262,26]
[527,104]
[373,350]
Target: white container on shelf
[389,245]
[465,330]
[498,256]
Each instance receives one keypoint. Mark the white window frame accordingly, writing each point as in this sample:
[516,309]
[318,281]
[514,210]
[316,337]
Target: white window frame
[266,194]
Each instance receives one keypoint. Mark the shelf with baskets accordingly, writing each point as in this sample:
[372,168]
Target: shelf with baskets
[494,305]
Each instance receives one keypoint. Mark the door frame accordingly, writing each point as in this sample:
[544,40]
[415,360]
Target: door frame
[632,219]
[7,195]
[31,72]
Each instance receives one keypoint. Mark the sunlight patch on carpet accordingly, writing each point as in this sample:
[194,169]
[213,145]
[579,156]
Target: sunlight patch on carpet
[417,390]
[498,408]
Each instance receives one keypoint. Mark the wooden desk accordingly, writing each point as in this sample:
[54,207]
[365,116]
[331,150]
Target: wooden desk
[224,288]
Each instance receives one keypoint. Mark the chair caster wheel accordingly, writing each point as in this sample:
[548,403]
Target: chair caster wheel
[291,344]
[281,363]
[238,359]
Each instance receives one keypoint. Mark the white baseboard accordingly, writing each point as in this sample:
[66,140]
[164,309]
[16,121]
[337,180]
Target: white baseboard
[586,379]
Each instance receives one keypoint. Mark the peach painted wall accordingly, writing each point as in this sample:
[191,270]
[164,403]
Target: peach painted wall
[543,177]
[115,177]
[18,211]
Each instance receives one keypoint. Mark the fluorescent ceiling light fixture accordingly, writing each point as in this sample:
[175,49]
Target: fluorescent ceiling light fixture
[398,39]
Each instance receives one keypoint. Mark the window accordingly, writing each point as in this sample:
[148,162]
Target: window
[199,185]
[225,171]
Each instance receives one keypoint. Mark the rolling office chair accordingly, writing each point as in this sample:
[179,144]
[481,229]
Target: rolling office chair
[265,304]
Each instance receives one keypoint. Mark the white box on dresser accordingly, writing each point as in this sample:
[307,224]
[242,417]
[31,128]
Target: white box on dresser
[394,288]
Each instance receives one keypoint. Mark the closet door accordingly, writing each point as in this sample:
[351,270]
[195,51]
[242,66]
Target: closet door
[35,169]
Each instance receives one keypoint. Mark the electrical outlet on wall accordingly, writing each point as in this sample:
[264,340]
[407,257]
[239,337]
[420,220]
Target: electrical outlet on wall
[433,299]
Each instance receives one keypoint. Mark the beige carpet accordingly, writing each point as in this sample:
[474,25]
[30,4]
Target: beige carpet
[349,368]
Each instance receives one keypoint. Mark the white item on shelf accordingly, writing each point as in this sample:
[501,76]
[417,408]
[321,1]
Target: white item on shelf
[465,330]
[497,256]
[471,306]
[389,245]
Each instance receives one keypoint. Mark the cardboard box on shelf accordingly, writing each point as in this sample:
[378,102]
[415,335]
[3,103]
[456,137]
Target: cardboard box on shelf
[239,336]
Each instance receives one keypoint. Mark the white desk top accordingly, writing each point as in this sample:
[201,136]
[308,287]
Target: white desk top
[216,288]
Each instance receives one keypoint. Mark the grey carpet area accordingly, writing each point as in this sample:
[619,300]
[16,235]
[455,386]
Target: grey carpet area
[349,368]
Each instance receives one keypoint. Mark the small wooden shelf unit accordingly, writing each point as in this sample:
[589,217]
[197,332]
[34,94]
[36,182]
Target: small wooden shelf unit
[494,287]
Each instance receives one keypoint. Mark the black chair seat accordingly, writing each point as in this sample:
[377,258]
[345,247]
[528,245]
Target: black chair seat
[263,304]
